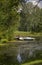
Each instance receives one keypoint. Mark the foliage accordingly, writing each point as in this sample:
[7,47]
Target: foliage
[30,18]
[9,17]
[4,40]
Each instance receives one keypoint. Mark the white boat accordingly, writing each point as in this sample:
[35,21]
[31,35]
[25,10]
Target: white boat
[26,38]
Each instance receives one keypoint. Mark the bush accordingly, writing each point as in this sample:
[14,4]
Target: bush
[4,40]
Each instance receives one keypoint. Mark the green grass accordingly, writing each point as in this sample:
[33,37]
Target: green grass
[18,33]
[21,33]
[37,36]
[33,62]
[2,44]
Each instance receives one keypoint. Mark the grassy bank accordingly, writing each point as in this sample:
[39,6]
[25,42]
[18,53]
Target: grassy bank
[7,38]
[27,34]
[36,62]
[37,36]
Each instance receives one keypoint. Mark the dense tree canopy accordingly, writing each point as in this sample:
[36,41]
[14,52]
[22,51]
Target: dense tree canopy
[28,19]
[9,17]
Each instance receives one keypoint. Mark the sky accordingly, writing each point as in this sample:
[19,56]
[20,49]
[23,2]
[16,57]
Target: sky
[40,4]
[35,2]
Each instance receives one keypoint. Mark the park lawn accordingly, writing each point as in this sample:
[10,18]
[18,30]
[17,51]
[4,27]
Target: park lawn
[33,62]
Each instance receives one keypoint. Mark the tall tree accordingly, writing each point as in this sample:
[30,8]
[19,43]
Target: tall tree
[30,18]
[9,17]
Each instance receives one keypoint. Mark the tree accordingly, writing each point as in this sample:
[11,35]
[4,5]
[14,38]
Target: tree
[30,18]
[25,17]
[9,17]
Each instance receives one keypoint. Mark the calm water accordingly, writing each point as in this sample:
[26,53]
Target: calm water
[27,49]
[20,52]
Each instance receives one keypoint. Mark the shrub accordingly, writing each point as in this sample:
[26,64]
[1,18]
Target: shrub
[4,40]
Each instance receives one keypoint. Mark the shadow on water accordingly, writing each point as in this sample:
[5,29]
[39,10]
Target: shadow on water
[20,52]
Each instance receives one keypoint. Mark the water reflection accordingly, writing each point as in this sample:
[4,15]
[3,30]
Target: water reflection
[19,58]
[19,52]
[27,51]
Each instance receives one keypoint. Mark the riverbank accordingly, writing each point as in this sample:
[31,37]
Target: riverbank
[25,34]
[37,36]
[36,62]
